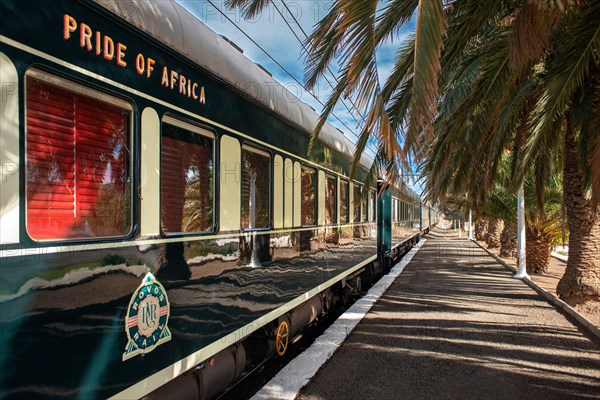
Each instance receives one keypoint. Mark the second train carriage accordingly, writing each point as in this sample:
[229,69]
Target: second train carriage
[160,219]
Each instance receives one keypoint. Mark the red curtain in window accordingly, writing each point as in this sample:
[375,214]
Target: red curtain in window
[186,181]
[307,213]
[76,165]
[174,162]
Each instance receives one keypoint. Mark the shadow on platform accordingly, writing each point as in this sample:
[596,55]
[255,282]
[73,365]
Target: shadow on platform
[456,325]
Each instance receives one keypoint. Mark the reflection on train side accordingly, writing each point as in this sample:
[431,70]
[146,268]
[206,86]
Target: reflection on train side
[214,287]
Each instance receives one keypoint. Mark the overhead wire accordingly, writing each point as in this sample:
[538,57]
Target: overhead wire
[328,69]
[276,62]
[306,51]
[369,146]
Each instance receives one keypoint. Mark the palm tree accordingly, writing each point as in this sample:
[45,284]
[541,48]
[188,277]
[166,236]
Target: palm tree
[505,207]
[543,215]
[492,237]
[567,116]
[508,240]
[481,229]
[543,224]
[493,99]
[522,76]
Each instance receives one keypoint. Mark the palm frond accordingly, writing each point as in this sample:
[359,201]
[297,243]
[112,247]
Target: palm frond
[249,8]
[429,35]
[393,16]
[468,23]
[530,33]
[569,69]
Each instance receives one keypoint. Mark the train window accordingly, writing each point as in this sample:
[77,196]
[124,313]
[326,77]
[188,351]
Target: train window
[278,192]
[344,201]
[357,203]
[373,206]
[330,199]
[288,192]
[308,182]
[365,209]
[78,161]
[186,177]
[399,204]
[255,188]
[401,210]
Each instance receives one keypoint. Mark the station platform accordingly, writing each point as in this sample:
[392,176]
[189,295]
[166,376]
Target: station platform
[451,323]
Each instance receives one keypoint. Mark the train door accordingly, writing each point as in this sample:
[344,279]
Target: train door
[384,222]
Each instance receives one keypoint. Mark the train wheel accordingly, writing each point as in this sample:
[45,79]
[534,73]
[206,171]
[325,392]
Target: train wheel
[283,337]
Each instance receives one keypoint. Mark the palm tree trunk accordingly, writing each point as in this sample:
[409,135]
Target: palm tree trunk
[494,230]
[539,247]
[581,282]
[508,240]
[480,229]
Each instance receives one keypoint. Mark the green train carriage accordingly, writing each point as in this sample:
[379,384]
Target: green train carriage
[161,223]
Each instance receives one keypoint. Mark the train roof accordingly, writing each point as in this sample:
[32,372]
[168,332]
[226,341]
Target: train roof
[177,28]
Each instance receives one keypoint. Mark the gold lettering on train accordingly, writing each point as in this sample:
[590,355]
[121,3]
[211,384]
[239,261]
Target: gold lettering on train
[186,87]
[98,43]
[202,96]
[182,82]
[165,77]
[115,51]
[121,48]
[174,76]
[85,37]
[102,45]
[144,65]
[109,48]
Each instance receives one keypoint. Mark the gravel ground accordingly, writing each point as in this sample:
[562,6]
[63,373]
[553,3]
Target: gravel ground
[455,325]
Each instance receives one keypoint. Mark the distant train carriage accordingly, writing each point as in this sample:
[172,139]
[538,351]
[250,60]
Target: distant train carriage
[162,226]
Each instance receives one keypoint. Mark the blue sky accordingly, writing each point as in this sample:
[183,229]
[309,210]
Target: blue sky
[271,32]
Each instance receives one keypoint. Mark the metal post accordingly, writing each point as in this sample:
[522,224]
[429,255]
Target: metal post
[420,217]
[470,226]
[459,231]
[522,268]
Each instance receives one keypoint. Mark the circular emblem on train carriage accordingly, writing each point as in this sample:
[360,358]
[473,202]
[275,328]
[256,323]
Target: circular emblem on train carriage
[146,318]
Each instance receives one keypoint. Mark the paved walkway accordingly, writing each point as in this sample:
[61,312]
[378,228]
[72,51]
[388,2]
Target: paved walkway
[455,325]
[549,280]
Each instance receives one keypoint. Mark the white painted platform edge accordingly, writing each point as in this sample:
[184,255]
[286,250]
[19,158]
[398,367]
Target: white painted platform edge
[287,383]
[560,256]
